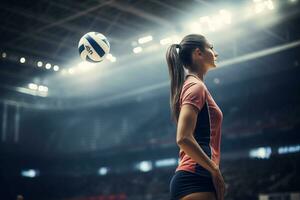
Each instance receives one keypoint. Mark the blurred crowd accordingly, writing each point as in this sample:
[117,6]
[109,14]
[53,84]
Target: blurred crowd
[245,179]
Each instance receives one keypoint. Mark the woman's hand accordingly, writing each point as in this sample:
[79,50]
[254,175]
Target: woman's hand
[218,183]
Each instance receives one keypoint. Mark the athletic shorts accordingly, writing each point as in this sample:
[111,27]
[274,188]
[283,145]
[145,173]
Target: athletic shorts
[185,182]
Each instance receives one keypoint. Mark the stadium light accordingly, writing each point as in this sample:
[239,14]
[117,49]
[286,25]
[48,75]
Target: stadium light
[145,166]
[171,39]
[137,50]
[166,162]
[32,86]
[56,68]
[165,41]
[289,149]
[261,152]
[270,4]
[39,63]
[145,39]
[48,66]
[261,5]
[42,88]
[216,81]
[31,173]
[102,171]
[4,55]
[22,60]
[111,58]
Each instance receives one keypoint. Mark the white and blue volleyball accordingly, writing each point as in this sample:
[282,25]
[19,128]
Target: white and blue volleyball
[93,47]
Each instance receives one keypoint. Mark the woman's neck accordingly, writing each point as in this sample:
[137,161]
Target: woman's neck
[197,75]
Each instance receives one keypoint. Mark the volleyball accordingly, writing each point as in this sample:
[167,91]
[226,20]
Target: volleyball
[93,47]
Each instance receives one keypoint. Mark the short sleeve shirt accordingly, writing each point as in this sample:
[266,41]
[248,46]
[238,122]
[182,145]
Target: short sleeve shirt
[208,128]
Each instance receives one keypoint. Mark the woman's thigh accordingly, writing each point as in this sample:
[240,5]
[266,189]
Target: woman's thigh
[200,196]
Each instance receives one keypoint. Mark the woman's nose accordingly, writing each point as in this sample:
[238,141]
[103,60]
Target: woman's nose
[216,54]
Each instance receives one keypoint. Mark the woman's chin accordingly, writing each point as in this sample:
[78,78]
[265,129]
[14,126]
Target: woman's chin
[214,65]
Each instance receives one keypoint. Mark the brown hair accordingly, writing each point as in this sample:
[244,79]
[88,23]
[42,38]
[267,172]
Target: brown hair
[176,61]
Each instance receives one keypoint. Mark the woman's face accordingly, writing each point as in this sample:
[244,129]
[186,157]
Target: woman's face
[210,56]
[206,59]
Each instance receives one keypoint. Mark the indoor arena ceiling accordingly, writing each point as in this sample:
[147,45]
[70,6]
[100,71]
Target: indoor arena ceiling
[49,31]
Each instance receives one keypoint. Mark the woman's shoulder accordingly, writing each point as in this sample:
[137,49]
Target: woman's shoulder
[193,92]
[192,82]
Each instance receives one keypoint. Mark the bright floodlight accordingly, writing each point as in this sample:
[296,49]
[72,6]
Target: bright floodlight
[137,49]
[102,171]
[216,80]
[165,41]
[48,66]
[39,63]
[56,68]
[4,55]
[166,162]
[43,88]
[145,39]
[211,23]
[111,58]
[261,152]
[32,86]
[176,39]
[22,60]
[289,149]
[261,5]
[269,4]
[145,166]
[31,173]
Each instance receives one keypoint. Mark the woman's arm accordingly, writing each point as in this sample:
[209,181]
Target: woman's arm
[186,141]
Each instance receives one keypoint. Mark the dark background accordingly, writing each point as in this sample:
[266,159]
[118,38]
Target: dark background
[117,114]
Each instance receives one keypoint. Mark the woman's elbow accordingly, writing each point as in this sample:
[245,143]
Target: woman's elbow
[182,140]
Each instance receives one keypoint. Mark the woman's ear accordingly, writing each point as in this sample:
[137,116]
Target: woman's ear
[198,52]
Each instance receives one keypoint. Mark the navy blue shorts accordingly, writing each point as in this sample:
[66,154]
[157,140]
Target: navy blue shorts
[185,182]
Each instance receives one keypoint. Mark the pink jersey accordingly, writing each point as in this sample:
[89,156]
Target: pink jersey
[208,128]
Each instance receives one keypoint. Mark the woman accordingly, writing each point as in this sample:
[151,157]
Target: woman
[198,120]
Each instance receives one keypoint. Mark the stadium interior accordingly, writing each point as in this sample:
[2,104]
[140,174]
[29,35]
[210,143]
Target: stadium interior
[72,130]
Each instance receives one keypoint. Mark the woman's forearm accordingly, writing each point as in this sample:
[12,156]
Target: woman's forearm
[190,146]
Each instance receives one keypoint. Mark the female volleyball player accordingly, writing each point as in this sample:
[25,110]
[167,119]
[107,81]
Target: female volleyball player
[198,120]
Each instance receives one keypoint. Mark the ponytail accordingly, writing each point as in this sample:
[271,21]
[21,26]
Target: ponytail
[176,73]
[176,61]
